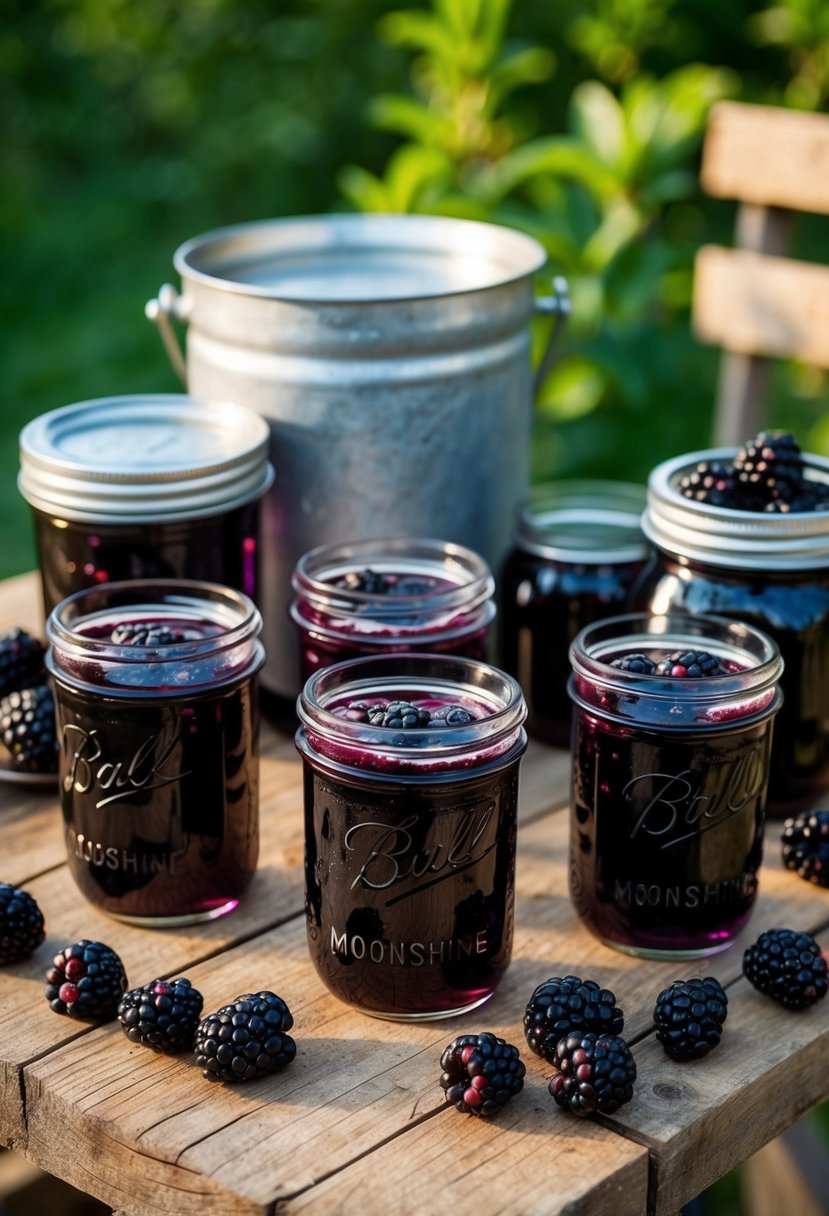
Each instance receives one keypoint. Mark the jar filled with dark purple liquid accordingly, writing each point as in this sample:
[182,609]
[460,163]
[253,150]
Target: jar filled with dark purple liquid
[769,570]
[391,596]
[157,716]
[153,486]
[410,830]
[672,731]
[578,549]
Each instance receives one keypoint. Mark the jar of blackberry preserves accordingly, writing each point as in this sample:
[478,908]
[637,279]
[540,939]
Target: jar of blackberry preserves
[767,567]
[672,732]
[150,486]
[411,789]
[578,549]
[391,596]
[157,716]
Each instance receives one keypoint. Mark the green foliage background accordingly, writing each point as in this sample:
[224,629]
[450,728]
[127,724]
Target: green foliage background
[131,127]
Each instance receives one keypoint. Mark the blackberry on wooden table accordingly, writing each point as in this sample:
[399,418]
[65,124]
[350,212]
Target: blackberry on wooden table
[689,1017]
[805,843]
[481,1073]
[27,729]
[596,1072]
[21,660]
[788,967]
[560,1006]
[86,981]
[162,1015]
[246,1039]
[21,924]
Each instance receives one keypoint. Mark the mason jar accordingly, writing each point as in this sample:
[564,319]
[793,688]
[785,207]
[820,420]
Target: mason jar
[577,550]
[770,571]
[672,733]
[157,715]
[410,830]
[390,596]
[146,486]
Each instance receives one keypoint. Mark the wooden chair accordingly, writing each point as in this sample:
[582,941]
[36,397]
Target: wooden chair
[753,300]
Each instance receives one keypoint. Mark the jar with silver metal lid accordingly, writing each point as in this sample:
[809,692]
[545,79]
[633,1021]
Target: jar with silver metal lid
[149,486]
[765,569]
[578,548]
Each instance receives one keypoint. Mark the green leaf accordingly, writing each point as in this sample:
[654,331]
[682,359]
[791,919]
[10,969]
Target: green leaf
[408,117]
[362,189]
[573,389]
[597,120]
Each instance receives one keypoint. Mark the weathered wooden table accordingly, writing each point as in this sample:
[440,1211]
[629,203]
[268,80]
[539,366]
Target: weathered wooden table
[357,1124]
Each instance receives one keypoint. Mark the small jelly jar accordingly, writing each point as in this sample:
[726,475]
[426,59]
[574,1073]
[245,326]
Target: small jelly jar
[388,596]
[157,716]
[669,781]
[151,486]
[577,551]
[410,832]
[767,570]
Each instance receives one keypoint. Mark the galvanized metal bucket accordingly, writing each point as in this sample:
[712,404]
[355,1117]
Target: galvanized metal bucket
[391,357]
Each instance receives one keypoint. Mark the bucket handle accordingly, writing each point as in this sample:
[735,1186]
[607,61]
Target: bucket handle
[168,304]
[554,303]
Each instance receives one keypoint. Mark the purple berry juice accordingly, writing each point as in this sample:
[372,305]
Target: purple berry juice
[411,786]
[391,596]
[157,717]
[671,740]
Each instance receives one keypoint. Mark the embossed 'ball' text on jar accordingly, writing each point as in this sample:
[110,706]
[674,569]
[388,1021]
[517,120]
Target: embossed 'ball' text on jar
[669,777]
[410,830]
[146,486]
[157,715]
[766,570]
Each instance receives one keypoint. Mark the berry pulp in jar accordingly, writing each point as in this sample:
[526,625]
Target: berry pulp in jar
[157,716]
[411,832]
[391,596]
[578,550]
[669,782]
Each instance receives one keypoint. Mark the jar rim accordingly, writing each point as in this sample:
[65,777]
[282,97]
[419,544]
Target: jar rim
[384,675]
[590,521]
[229,654]
[725,536]
[471,580]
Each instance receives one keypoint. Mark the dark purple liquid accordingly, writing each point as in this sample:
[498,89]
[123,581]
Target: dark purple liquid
[409,888]
[220,548]
[543,605]
[318,652]
[666,832]
[159,786]
[794,610]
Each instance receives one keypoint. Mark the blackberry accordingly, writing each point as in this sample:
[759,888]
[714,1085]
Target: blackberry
[689,1016]
[86,982]
[788,967]
[21,924]
[481,1073]
[398,714]
[770,465]
[450,715]
[641,664]
[21,660]
[246,1039]
[367,582]
[710,482]
[162,1015]
[357,711]
[27,729]
[596,1072]
[806,846]
[410,584]
[142,633]
[691,663]
[560,1006]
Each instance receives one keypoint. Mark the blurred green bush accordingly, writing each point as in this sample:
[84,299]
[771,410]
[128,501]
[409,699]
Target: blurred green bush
[130,128]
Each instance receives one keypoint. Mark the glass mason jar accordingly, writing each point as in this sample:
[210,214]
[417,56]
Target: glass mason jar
[767,570]
[410,832]
[391,596]
[669,782]
[577,551]
[157,716]
[152,486]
